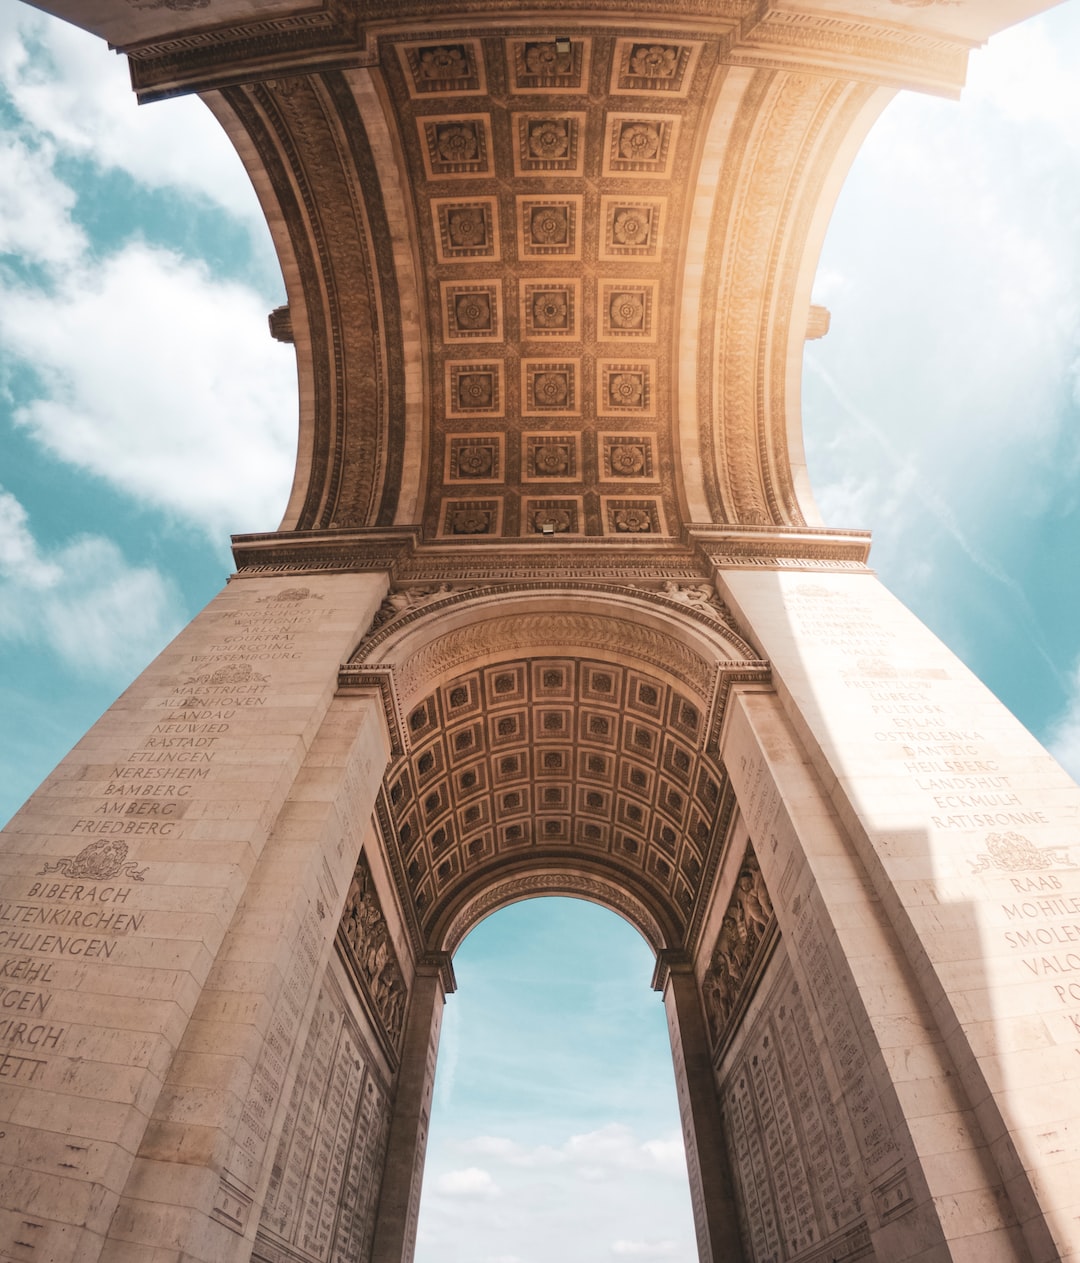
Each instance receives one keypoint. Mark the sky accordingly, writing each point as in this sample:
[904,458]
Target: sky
[145,414]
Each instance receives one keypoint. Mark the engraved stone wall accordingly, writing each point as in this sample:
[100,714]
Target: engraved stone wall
[320,1205]
[799,1191]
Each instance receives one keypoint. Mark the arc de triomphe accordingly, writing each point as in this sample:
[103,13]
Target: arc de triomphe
[550,612]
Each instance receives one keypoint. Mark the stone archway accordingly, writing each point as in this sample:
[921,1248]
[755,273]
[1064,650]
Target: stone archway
[557,739]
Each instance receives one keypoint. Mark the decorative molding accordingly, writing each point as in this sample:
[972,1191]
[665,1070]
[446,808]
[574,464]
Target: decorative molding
[583,632]
[400,552]
[768,562]
[312,551]
[787,131]
[824,140]
[384,825]
[795,545]
[878,52]
[325,36]
[310,139]
[715,856]
[280,322]
[379,680]
[818,320]
[785,124]
[697,602]
[534,885]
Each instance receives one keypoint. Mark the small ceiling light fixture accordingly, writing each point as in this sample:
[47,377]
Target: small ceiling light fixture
[562,45]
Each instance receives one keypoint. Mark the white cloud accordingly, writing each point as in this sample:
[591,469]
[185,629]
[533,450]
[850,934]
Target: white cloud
[151,373]
[941,402]
[73,89]
[596,1194]
[955,311]
[467,1182]
[35,206]
[83,600]
[644,1249]
[513,1153]
[615,1147]
[163,381]
[1024,78]
[20,561]
[595,1154]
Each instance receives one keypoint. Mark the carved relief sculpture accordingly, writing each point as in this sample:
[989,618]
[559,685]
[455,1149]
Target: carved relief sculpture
[366,941]
[744,935]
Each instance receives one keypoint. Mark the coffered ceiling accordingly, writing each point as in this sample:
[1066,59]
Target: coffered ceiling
[557,760]
[546,171]
[548,281]
[548,269]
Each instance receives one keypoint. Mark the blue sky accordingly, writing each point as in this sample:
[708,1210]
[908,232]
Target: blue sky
[145,414]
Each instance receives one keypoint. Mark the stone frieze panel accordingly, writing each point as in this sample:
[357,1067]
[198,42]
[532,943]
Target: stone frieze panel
[324,1184]
[747,935]
[800,1191]
[365,943]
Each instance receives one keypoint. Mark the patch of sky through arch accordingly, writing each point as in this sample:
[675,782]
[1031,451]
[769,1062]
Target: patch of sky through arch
[555,1126]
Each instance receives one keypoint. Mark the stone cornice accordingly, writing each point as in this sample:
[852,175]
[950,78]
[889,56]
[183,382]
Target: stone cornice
[401,552]
[334,35]
[327,36]
[886,53]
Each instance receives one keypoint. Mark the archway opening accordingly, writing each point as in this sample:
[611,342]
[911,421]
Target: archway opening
[555,1126]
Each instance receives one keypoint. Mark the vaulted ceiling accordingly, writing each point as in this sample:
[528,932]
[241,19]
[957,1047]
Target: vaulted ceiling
[548,268]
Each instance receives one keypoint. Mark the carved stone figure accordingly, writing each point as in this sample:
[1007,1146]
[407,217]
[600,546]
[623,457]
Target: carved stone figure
[401,600]
[702,597]
[366,938]
[743,930]
[753,912]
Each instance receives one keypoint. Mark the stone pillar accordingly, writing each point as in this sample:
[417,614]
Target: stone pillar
[399,1201]
[942,868]
[146,888]
[715,1218]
